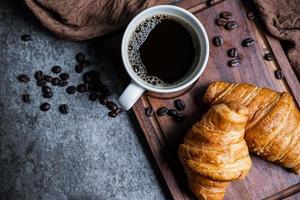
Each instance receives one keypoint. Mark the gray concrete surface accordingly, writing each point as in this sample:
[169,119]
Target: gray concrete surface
[82,155]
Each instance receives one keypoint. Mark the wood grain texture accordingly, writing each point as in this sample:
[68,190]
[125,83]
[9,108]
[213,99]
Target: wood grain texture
[164,136]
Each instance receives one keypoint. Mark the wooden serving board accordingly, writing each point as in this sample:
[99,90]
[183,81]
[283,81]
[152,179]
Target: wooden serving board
[164,135]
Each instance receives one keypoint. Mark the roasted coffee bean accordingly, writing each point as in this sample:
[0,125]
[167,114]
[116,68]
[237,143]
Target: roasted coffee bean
[55,81]
[45,107]
[63,83]
[148,111]
[251,15]
[63,108]
[88,87]
[231,25]
[112,114]
[41,83]
[80,88]
[172,112]
[119,111]
[221,21]
[39,75]
[24,78]
[234,62]
[218,41]
[279,74]
[179,117]
[26,98]
[46,89]
[87,77]
[269,56]
[64,76]
[233,52]
[71,89]
[248,42]
[48,78]
[79,68]
[226,15]
[111,105]
[93,96]
[56,69]
[179,104]
[162,111]
[47,95]
[103,100]
[26,37]
[210,3]
[80,57]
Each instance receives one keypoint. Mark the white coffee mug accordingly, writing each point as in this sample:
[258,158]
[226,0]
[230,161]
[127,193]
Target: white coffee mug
[137,86]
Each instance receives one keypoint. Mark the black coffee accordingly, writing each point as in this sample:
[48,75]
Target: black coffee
[163,50]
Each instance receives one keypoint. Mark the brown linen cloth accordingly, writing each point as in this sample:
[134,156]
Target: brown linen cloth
[282,19]
[85,19]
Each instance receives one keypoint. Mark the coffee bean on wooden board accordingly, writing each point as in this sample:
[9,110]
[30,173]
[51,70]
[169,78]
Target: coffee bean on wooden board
[234,62]
[64,76]
[148,111]
[48,78]
[251,15]
[248,42]
[46,89]
[179,117]
[56,69]
[269,57]
[103,100]
[233,52]
[210,3]
[80,57]
[218,41]
[111,105]
[162,111]
[41,83]
[47,95]
[71,89]
[221,21]
[179,104]
[39,75]
[45,107]
[26,98]
[26,38]
[24,78]
[93,96]
[63,83]
[172,112]
[231,25]
[79,68]
[112,114]
[279,74]
[63,108]
[55,81]
[226,15]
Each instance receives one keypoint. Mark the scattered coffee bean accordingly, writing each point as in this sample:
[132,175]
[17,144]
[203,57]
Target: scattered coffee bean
[234,62]
[149,111]
[71,90]
[221,21]
[80,57]
[279,74]
[63,83]
[251,15]
[79,68]
[231,25]
[45,107]
[41,83]
[172,112]
[39,75]
[46,89]
[93,96]
[26,98]
[226,15]
[162,111]
[47,78]
[111,105]
[63,108]
[88,87]
[233,52]
[26,37]
[210,3]
[269,56]
[80,88]
[56,69]
[248,42]
[103,100]
[179,104]
[24,78]
[87,77]
[47,95]
[112,114]
[55,81]
[179,117]
[119,111]
[218,41]
[64,76]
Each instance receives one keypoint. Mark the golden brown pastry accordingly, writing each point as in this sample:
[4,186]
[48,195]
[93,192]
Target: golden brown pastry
[214,151]
[273,129]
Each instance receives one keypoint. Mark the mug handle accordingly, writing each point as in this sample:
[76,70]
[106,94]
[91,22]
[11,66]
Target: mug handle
[130,95]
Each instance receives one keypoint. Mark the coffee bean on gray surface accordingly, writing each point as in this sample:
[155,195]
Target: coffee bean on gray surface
[55,81]
[80,88]
[226,15]
[46,89]
[248,42]
[210,3]
[93,96]
[63,83]
[103,100]
[26,98]
[41,83]
[63,108]
[218,41]
[111,105]
[162,111]
[87,77]
[80,57]
[79,68]
[221,21]
[234,62]
[48,94]
[269,57]
[47,78]
[64,76]
[26,38]
[231,25]
[23,78]
[279,74]
[179,117]
[56,69]
[251,15]
[172,112]
[39,75]
[148,111]
[179,104]
[233,52]
[45,107]
[112,114]
[71,89]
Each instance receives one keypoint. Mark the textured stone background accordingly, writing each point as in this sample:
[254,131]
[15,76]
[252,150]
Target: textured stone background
[82,155]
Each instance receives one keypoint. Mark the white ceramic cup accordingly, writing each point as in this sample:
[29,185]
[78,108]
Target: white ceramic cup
[137,86]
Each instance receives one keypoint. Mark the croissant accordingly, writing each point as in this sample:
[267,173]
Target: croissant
[273,128]
[214,151]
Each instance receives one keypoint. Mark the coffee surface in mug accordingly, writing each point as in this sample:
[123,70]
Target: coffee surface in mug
[162,50]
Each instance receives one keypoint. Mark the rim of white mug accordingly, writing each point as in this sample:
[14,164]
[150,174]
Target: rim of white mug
[195,24]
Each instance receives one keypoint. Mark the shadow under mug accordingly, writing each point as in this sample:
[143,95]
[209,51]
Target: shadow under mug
[137,86]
